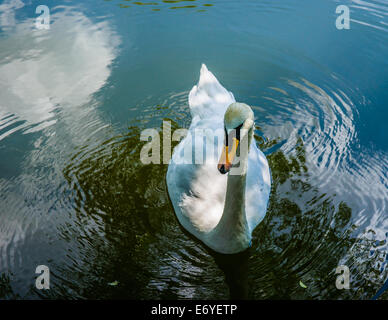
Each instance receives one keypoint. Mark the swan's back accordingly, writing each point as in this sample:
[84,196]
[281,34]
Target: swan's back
[209,98]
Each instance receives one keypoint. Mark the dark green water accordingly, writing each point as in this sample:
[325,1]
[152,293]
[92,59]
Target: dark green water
[73,100]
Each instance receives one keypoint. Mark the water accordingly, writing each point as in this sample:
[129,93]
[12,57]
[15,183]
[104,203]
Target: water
[74,99]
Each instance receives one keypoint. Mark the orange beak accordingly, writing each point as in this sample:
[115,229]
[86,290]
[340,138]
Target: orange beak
[226,159]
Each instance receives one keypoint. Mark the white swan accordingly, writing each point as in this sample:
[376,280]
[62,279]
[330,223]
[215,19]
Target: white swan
[220,210]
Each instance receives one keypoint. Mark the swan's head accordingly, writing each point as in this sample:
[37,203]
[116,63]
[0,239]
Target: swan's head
[238,121]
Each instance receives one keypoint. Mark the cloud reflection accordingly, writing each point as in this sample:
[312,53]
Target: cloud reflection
[42,70]
[7,12]
[47,79]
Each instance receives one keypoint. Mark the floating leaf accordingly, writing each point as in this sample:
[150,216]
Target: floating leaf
[302,284]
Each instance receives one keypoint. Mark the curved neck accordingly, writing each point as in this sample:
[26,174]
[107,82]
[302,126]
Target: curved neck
[232,235]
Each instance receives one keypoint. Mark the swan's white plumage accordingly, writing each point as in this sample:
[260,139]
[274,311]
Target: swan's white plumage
[197,191]
[209,98]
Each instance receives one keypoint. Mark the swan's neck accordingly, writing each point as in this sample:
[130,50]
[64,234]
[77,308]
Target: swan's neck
[232,235]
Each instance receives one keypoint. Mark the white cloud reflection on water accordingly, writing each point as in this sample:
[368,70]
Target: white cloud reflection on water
[42,70]
[47,82]
[7,12]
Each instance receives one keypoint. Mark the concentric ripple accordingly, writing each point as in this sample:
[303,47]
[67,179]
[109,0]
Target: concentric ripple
[75,99]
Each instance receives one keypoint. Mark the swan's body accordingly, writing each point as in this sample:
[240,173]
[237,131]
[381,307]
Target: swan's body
[220,210]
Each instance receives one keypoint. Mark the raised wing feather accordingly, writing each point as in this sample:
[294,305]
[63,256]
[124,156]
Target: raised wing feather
[209,97]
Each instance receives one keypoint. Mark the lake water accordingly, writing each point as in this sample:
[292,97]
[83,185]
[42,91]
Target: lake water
[74,99]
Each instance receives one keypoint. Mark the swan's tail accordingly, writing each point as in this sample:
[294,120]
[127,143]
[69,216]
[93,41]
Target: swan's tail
[209,97]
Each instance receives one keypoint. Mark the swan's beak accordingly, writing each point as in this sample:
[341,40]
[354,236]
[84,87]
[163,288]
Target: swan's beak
[227,157]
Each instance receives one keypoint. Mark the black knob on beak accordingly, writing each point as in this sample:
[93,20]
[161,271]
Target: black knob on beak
[222,169]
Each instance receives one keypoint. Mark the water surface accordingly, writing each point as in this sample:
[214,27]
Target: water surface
[75,98]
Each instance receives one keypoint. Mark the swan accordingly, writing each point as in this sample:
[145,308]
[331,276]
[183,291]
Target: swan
[217,206]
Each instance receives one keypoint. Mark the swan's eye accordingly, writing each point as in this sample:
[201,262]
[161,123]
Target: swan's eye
[238,131]
[235,131]
[226,137]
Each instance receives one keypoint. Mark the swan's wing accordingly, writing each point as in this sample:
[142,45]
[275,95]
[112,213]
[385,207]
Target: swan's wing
[258,187]
[209,98]
[197,191]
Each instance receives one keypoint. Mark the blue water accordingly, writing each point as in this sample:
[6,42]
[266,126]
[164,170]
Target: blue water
[74,99]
